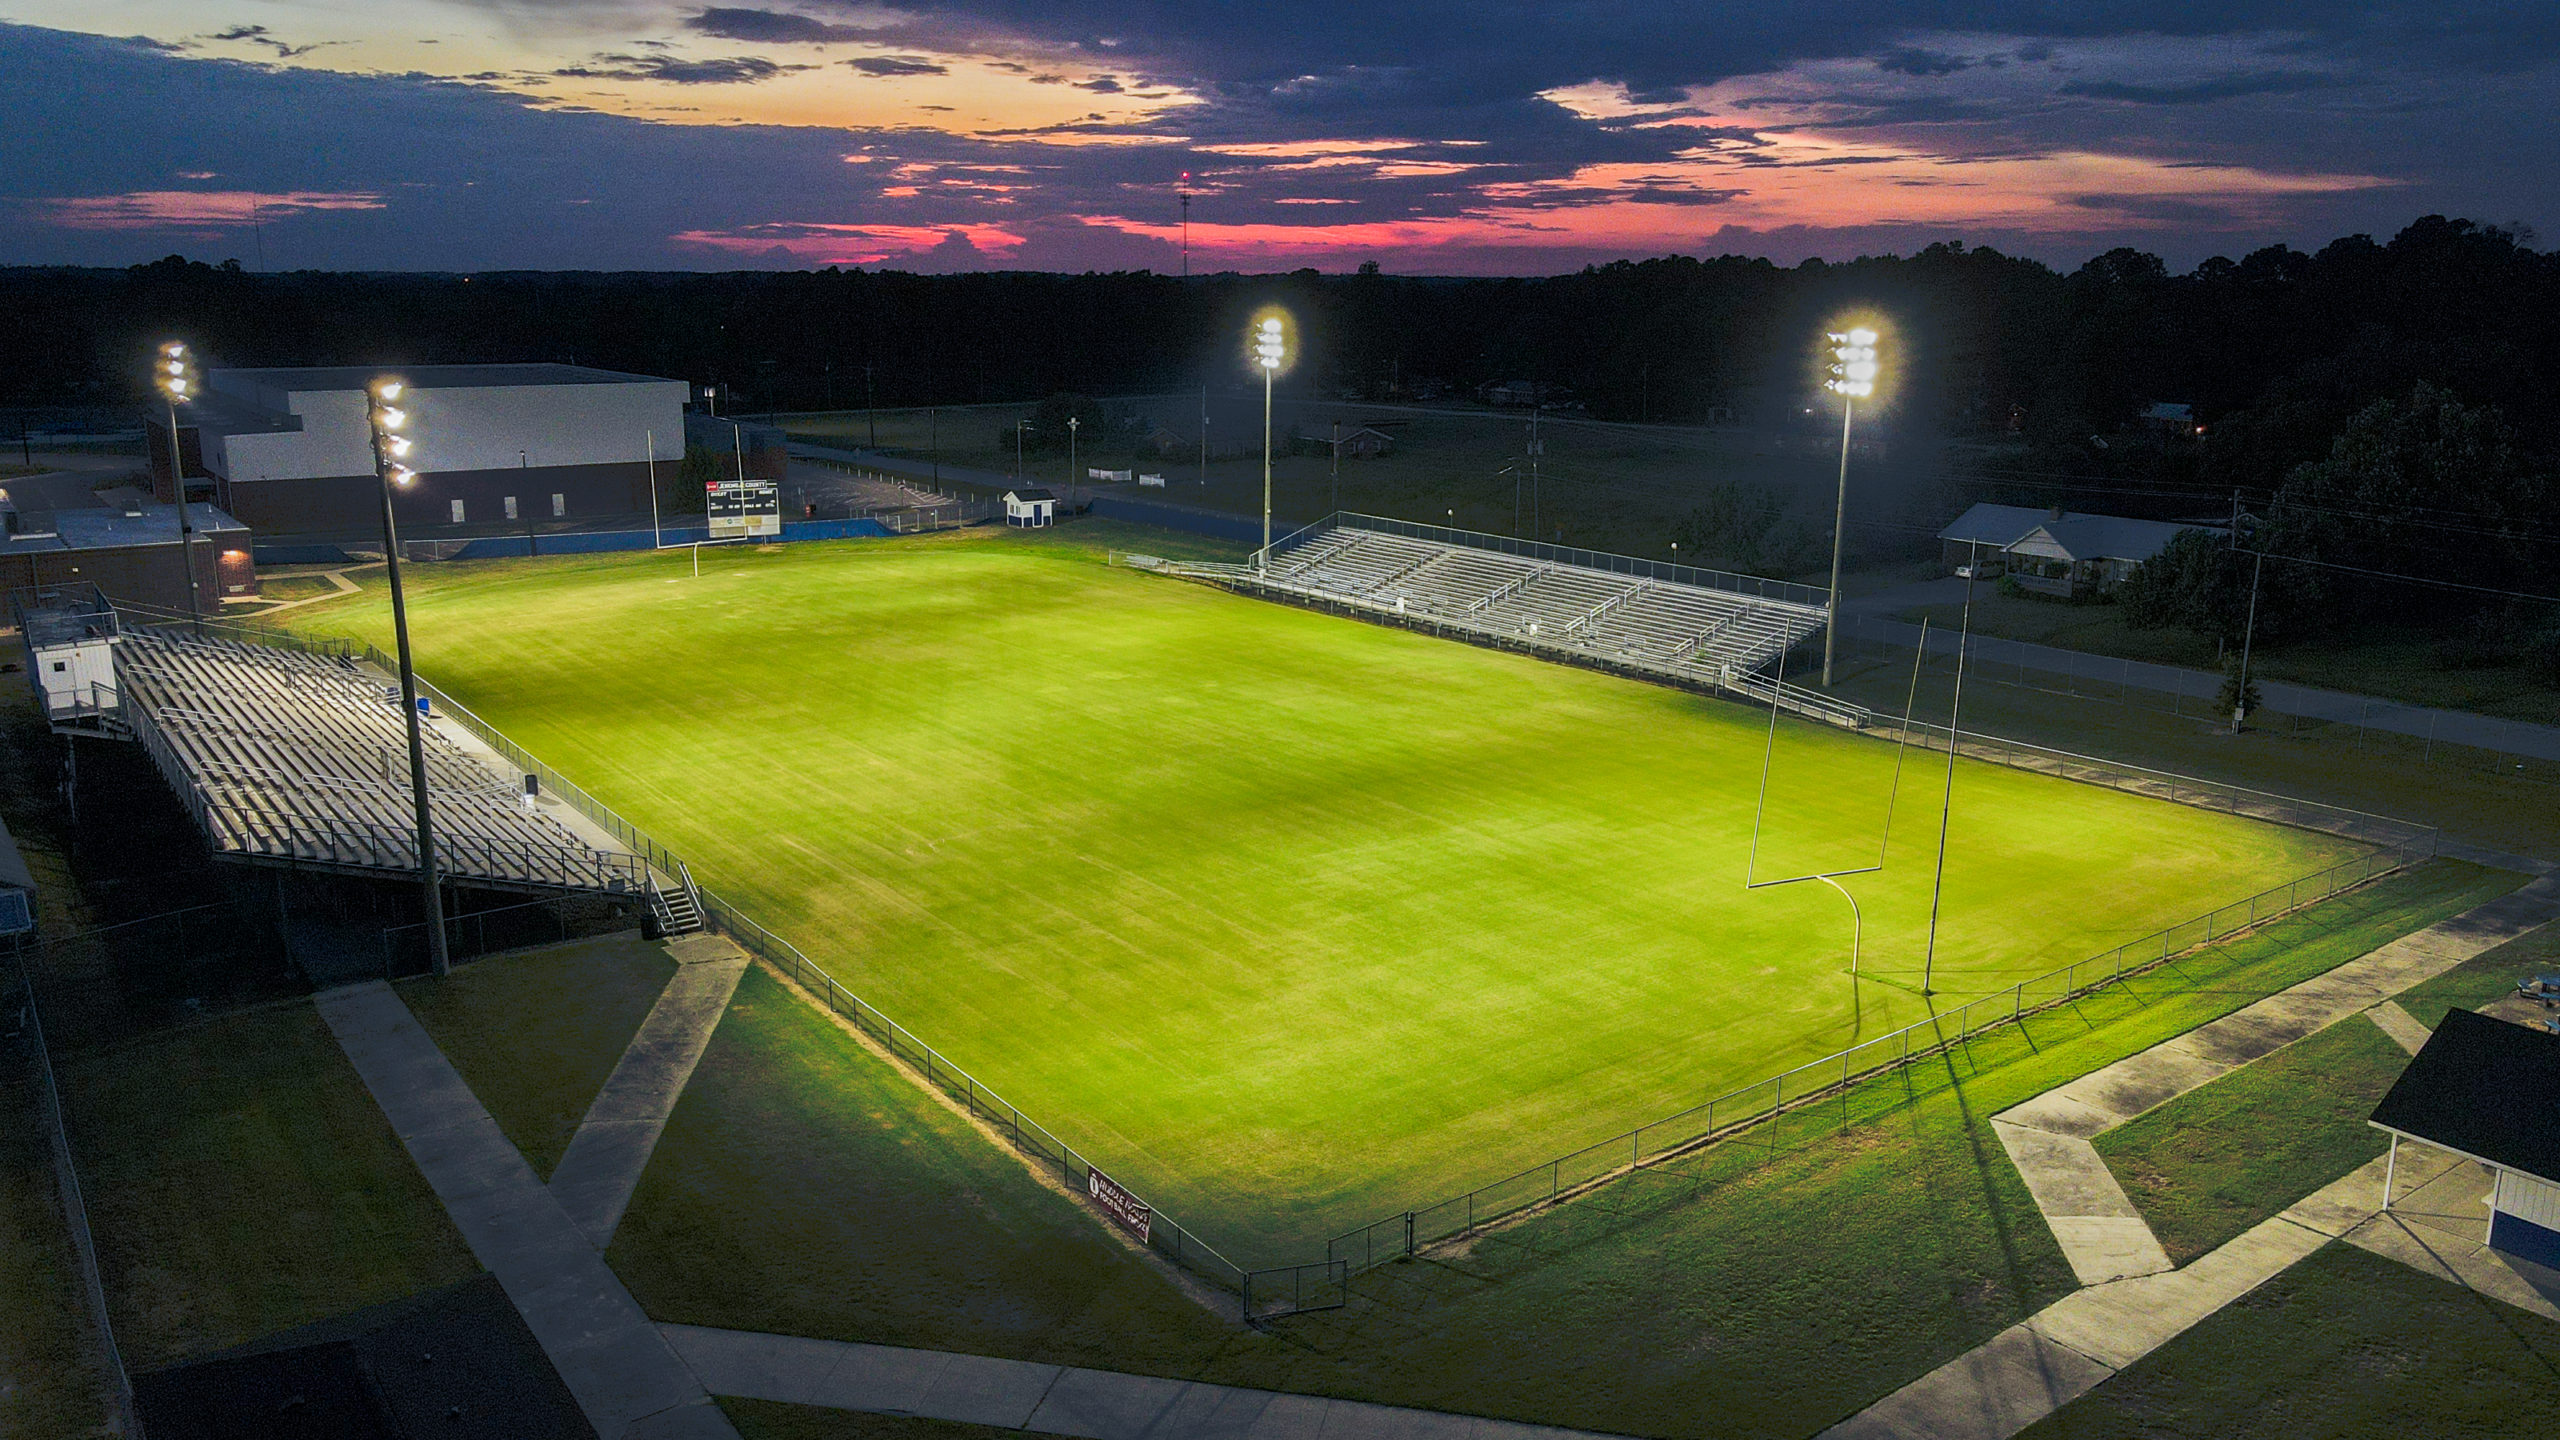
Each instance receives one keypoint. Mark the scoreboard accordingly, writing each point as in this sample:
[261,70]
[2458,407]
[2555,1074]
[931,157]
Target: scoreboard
[742,509]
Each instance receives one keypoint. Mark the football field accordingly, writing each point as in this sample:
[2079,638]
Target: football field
[1287,920]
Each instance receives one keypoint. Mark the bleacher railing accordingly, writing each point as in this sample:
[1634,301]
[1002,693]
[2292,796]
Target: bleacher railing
[1785,592]
[1472,625]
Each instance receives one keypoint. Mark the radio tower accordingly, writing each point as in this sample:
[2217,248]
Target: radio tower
[1184,190]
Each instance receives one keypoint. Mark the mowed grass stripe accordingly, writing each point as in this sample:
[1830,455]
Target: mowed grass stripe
[1285,918]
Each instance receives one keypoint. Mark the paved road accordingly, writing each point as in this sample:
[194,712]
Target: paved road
[1870,618]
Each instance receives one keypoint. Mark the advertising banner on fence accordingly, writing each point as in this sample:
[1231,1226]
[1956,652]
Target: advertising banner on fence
[1130,1211]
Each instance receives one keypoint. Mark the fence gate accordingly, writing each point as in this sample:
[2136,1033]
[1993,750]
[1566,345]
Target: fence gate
[1292,1289]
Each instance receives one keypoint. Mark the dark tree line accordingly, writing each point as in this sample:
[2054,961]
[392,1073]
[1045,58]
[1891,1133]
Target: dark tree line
[2030,376]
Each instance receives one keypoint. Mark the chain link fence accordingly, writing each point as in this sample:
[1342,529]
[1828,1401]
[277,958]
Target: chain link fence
[474,934]
[1672,1135]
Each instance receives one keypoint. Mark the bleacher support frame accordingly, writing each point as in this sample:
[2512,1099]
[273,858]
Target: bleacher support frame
[1711,630]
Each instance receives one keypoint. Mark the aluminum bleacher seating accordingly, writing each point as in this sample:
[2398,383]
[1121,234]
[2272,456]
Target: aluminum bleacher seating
[1645,621]
[300,759]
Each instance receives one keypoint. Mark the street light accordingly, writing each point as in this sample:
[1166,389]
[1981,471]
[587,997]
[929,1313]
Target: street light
[1270,348]
[174,371]
[1072,423]
[392,447]
[1853,372]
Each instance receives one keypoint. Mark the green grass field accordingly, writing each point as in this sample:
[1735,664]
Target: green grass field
[1287,920]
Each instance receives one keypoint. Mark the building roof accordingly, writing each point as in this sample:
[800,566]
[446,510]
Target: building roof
[99,528]
[2082,535]
[14,874]
[432,377]
[2483,1087]
[2099,537]
[1034,492]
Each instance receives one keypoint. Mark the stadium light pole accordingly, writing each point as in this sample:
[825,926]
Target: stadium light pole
[176,374]
[1853,378]
[1073,424]
[1270,347]
[390,468]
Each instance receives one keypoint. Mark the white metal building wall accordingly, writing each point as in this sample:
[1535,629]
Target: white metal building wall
[2528,1199]
[462,428]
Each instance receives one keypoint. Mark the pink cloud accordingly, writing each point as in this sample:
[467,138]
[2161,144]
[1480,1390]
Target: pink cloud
[209,209]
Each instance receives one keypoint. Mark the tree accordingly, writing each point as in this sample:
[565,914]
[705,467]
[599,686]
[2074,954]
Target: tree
[2426,486]
[2197,582]
[2237,698]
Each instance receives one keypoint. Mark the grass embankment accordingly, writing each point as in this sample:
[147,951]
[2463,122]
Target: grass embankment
[2213,1162]
[535,1034]
[2483,978]
[2473,795]
[1768,1286]
[1628,489]
[2390,662]
[1288,920]
[51,1381]
[2344,1343]
[241,1181]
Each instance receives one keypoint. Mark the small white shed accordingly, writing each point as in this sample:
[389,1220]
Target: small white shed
[1030,507]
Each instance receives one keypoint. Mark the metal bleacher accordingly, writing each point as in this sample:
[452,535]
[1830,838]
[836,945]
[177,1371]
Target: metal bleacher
[1663,619]
[292,759]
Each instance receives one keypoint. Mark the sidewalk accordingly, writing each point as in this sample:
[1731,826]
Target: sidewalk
[626,1379]
[1052,1399]
[2134,1301]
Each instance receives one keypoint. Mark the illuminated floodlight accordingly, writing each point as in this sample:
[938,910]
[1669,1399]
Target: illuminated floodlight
[386,390]
[1270,336]
[389,418]
[174,372]
[1854,369]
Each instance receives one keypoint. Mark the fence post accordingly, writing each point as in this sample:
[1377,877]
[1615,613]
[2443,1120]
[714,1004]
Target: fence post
[1408,1232]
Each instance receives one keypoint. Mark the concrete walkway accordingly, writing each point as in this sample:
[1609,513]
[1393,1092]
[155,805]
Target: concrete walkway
[2135,1301]
[2048,1137]
[625,1377]
[2070,1347]
[595,1177]
[1051,1399]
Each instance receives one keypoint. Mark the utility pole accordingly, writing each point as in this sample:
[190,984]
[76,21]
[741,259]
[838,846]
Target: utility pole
[1185,192]
[870,407]
[936,412]
[1337,465]
[1204,435]
[1947,801]
[1537,448]
[2248,636]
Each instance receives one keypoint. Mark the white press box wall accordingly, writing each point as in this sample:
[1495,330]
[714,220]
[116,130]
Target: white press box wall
[456,427]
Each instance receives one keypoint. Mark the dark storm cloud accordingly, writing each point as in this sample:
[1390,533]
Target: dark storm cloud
[1910,60]
[2203,92]
[896,65]
[780,27]
[733,70]
[261,35]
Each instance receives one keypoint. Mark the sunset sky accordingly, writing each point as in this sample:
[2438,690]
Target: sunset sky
[1434,138]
